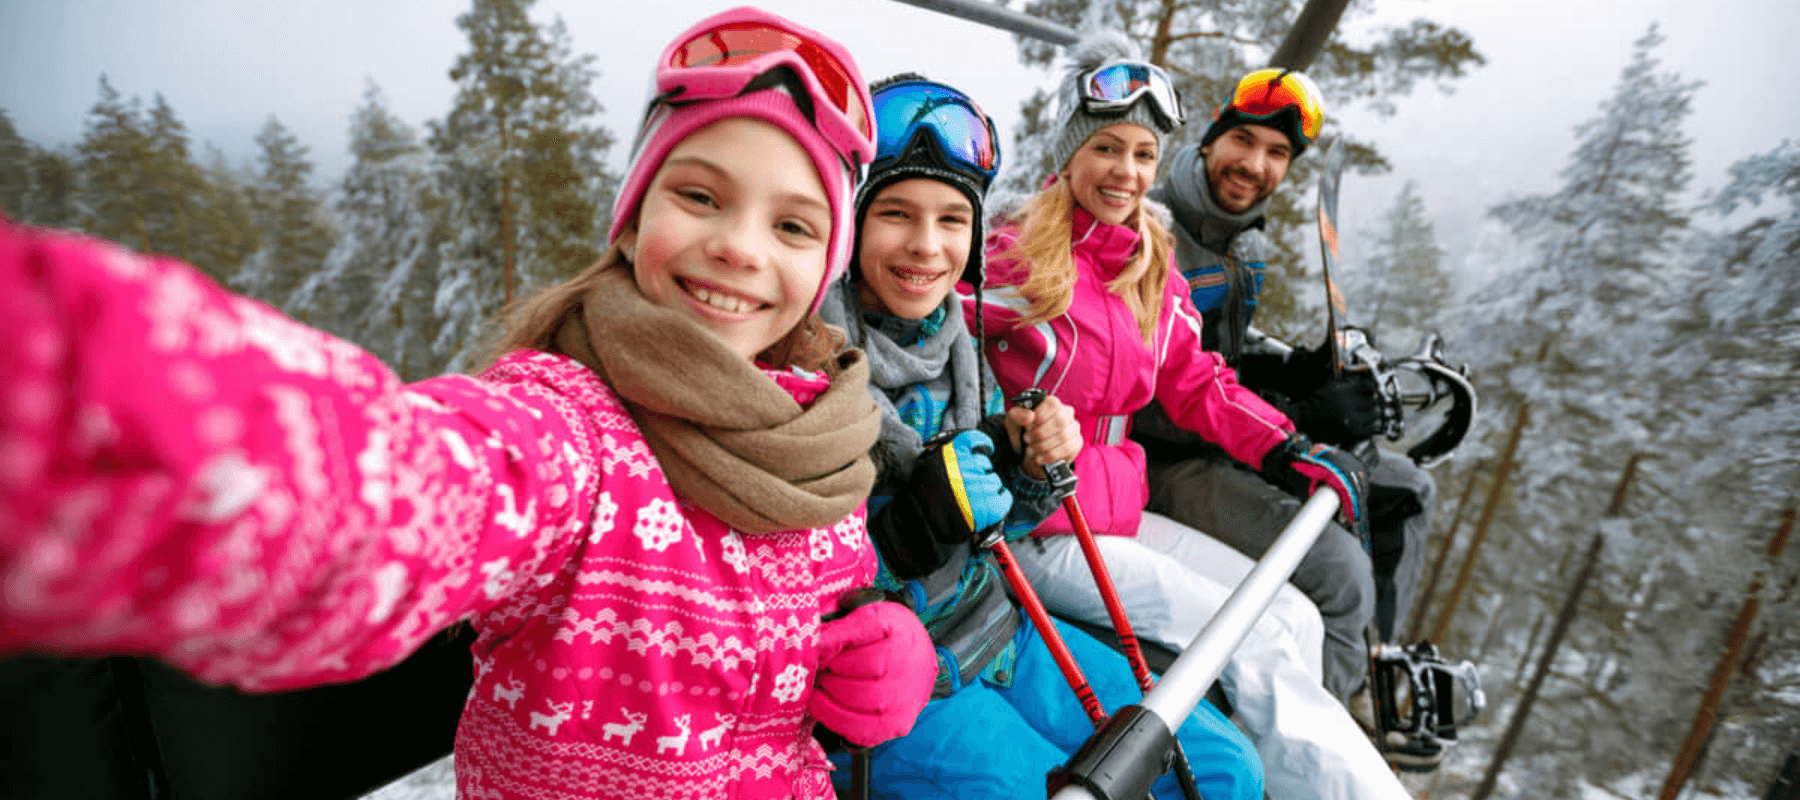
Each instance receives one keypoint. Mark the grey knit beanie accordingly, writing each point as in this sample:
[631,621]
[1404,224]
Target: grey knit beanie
[1094,50]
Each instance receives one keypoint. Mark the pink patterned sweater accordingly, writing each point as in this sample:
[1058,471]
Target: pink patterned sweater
[187,473]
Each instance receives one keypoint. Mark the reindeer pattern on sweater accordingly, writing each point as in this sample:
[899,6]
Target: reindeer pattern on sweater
[193,475]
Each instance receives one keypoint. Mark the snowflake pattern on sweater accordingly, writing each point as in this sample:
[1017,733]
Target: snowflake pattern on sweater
[190,474]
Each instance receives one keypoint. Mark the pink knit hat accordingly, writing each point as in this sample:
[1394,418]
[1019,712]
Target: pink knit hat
[671,119]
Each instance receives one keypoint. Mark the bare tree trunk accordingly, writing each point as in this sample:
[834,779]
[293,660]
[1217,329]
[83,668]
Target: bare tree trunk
[1707,714]
[506,243]
[506,239]
[1517,723]
[1530,647]
[1481,527]
[1564,616]
[1159,44]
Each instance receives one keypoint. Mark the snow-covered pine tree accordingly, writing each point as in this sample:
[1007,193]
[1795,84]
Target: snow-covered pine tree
[1205,47]
[224,226]
[293,234]
[1731,424]
[1568,333]
[1400,285]
[15,169]
[52,200]
[517,153]
[172,186]
[378,286]
[114,197]
[137,184]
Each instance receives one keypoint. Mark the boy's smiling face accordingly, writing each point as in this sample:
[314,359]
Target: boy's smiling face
[734,231]
[915,243]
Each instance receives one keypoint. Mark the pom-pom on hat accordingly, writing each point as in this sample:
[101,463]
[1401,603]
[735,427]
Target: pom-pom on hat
[1096,50]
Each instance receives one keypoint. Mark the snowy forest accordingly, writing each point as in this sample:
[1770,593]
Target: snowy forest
[1611,539]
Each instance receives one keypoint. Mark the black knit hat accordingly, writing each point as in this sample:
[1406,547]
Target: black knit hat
[921,157]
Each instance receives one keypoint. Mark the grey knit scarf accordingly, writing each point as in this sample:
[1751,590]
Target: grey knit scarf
[894,367]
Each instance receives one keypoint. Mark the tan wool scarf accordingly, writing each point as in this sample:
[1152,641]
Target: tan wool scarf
[727,437]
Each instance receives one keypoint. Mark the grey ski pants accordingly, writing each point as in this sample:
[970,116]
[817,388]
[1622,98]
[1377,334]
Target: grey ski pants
[1399,551]
[1212,493]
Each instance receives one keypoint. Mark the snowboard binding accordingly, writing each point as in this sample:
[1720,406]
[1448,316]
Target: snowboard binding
[1419,700]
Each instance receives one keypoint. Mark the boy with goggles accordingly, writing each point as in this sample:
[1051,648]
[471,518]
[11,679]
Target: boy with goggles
[956,466]
[1218,193]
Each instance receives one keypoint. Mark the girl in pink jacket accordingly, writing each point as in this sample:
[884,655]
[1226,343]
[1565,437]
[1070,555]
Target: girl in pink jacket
[649,506]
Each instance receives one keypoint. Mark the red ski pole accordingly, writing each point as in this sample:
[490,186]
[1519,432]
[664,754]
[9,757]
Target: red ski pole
[1059,650]
[1109,593]
[1062,477]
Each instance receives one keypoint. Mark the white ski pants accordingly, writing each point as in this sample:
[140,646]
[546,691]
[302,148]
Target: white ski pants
[1172,579]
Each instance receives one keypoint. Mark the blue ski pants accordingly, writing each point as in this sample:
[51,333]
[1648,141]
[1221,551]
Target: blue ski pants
[990,739]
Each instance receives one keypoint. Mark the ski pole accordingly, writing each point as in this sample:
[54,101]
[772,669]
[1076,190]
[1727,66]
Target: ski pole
[1062,481]
[1039,616]
[861,785]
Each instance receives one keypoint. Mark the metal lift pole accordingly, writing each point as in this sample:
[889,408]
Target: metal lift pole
[998,16]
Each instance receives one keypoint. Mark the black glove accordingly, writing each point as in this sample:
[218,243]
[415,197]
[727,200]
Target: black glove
[1298,465]
[954,493]
[1342,411]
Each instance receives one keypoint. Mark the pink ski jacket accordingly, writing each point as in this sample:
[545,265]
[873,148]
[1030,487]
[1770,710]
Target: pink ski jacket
[187,473]
[1095,359]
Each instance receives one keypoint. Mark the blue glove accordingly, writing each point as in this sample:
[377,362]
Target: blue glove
[956,486]
[1300,466]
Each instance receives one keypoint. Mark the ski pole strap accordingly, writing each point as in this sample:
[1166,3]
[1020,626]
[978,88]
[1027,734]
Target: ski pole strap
[1061,477]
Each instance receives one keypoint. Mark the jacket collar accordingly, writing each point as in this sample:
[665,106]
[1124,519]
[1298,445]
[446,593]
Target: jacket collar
[1106,248]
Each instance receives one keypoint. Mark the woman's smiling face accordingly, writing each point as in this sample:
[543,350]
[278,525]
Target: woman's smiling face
[1111,171]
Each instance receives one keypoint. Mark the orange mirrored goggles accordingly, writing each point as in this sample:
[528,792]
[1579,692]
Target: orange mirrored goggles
[1267,92]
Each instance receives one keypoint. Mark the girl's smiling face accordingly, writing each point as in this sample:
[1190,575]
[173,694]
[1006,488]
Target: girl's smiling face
[1111,171]
[734,231]
[915,243]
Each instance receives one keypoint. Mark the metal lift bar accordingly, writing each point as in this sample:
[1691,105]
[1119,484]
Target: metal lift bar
[997,16]
[1318,18]
[1186,681]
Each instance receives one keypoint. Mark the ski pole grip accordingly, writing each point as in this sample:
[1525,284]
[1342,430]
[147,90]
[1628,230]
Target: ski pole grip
[1060,475]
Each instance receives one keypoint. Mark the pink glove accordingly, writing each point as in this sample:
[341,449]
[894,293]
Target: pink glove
[876,670]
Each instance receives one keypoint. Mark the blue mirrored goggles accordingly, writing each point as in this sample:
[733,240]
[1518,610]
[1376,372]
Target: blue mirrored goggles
[963,133]
[1112,88]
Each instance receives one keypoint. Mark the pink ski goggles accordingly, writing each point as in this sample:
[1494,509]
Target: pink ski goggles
[731,53]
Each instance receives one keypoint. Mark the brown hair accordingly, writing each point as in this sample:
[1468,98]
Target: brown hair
[1044,246]
[531,322]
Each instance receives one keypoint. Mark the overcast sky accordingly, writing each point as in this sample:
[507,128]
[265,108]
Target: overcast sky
[226,65]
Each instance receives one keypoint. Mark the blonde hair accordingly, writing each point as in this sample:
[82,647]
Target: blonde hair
[531,323]
[1044,245]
